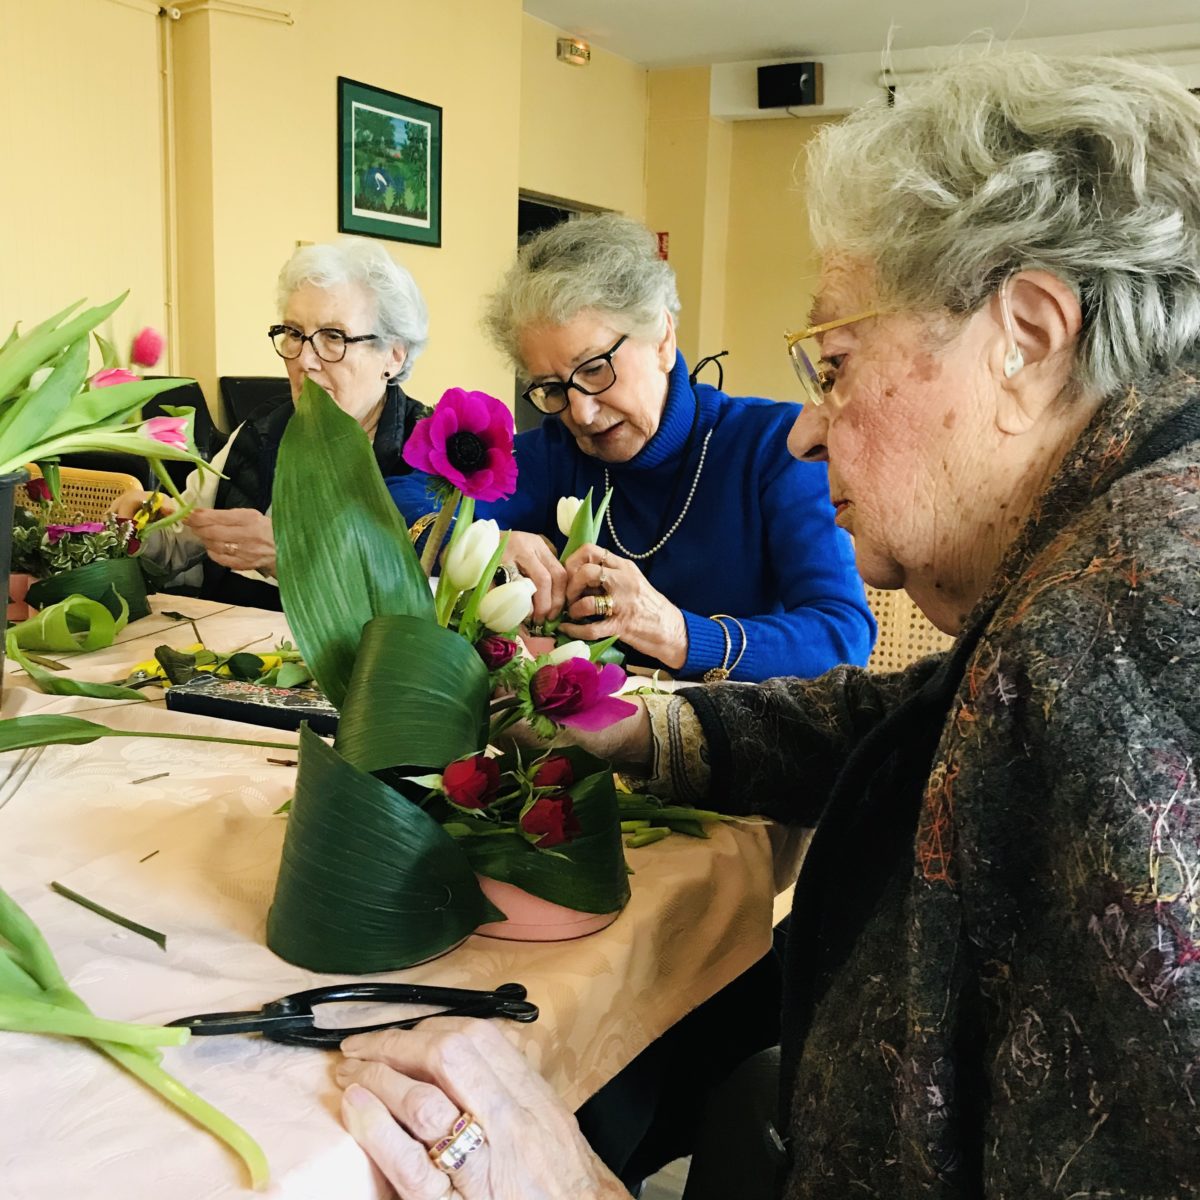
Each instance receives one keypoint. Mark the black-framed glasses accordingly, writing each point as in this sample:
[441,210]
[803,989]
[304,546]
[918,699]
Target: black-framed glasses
[592,377]
[328,344]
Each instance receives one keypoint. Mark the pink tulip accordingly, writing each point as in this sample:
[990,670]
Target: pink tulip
[147,347]
[112,376]
[171,431]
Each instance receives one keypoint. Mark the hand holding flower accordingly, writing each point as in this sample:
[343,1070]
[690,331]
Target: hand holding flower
[239,538]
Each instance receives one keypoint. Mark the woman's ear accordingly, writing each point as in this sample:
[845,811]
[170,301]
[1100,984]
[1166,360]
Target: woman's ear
[667,344]
[1039,319]
[394,362]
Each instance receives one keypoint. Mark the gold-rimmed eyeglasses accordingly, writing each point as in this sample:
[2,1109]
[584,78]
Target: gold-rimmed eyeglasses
[816,377]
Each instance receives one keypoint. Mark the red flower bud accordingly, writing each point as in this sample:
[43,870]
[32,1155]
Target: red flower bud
[38,490]
[551,821]
[472,782]
[496,651]
[555,772]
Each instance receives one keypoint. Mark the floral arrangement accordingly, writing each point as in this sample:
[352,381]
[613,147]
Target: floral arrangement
[43,547]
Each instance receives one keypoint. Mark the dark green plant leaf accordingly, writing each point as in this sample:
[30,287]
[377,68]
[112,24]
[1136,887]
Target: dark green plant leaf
[107,580]
[593,877]
[244,666]
[418,697]
[368,882]
[178,665]
[343,549]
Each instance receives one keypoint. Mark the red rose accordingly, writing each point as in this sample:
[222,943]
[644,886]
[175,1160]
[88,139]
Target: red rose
[496,651]
[38,490]
[551,821]
[472,782]
[555,772]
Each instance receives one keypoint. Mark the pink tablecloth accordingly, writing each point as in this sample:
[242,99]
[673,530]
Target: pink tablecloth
[194,853]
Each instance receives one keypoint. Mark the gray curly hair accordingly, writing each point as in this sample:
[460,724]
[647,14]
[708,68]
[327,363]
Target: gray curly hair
[604,262]
[1085,167]
[401,313]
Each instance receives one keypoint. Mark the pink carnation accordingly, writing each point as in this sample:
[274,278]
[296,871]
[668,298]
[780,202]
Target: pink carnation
[468,441]
[147,348]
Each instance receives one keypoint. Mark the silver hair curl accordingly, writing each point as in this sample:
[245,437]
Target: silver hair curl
[1085,167]
[606,262]
[401,313]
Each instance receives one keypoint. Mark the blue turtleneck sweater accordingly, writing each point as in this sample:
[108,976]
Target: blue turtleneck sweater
[758,541]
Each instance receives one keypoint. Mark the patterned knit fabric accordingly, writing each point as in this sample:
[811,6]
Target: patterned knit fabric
[993,985]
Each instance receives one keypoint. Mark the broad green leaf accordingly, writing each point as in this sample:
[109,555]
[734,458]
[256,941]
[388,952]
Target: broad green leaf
[115,582]
[21,358]
[77,623]
[61,685]
[20,733]
[27,422]
[343,549]
[120,402]
[593,877]
[418,697]
[368,881]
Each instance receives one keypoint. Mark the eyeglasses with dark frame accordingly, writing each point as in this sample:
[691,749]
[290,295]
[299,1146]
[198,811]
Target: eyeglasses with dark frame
[329,345]
[598,373]
[817,379]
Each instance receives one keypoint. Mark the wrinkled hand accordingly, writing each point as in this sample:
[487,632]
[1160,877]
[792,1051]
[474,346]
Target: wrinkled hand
[239,538]
[640,615]
[536,560]
[127,504]
[405,1089]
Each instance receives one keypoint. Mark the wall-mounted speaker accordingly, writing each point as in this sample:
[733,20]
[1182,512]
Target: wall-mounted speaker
[790,85]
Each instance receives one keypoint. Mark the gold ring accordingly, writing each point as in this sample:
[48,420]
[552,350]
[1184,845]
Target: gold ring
[604,605]
[465,1137]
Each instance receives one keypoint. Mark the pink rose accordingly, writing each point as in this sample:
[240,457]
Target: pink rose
[147,348]
[171,431]
[579,693]
[112,376]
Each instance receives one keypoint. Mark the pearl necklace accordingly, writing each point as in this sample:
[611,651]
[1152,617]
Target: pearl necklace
[678,520]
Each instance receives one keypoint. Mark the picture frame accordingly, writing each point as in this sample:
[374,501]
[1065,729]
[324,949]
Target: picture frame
[389,165]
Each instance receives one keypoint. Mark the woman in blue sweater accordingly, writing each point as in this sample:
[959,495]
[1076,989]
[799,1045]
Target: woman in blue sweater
[719,556]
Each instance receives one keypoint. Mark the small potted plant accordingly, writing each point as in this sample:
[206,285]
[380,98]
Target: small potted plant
[53,558]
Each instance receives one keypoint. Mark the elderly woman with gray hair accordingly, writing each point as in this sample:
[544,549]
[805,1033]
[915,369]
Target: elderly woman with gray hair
[351,320]
[993,976]
[719,556]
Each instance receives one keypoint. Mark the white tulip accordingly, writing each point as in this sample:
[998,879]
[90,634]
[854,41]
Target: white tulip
[568,506]
[505,607]
[571,650]
[467,558]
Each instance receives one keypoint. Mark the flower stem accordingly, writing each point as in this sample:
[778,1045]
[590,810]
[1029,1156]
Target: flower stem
[437,534]
[201,737]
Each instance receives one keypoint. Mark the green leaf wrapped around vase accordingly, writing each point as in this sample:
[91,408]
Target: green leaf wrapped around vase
[106,580]
[372,880]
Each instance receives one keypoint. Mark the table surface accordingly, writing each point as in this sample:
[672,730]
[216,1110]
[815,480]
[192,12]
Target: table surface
[194,853]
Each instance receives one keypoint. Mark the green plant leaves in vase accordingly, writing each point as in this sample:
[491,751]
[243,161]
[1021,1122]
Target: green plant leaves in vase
[105,580]
[343,550]
[588,873]
[369,881]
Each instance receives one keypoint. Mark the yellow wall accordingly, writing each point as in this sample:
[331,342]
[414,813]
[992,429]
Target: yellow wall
[81,207]
[583,129]
[770,266]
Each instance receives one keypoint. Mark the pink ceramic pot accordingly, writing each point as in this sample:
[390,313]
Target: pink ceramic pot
[18,610]
[532,919]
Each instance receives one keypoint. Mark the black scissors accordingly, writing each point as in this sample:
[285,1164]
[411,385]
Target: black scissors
[290,1019]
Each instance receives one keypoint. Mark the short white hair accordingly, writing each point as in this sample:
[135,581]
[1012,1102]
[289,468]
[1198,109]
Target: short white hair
[602,262]
[1085,167]
[401,312]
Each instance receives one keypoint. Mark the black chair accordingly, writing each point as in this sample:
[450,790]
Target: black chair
[243,394]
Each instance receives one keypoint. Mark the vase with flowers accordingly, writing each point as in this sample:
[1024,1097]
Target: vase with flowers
[51,405]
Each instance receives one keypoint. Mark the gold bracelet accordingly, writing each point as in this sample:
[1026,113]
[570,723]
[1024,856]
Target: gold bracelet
[420,525]
[717,674]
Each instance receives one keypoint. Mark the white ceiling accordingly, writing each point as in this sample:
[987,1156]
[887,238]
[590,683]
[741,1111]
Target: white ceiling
[663,33]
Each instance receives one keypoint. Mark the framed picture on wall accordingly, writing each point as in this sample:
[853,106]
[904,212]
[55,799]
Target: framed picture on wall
[389,165]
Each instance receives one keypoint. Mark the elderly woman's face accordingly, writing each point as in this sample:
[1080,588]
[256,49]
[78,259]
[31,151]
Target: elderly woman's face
[617,423]
[357,382]
[909,435]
